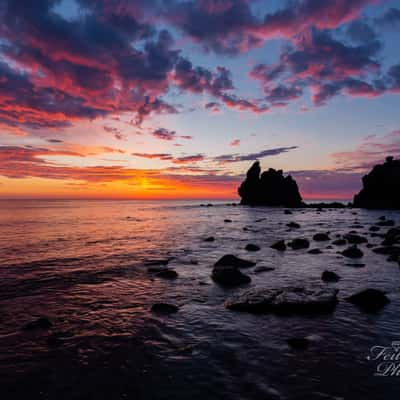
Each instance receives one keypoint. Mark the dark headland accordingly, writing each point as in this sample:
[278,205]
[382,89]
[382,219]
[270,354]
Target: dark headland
[381,189]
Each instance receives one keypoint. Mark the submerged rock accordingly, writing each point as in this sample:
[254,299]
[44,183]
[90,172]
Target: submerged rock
[352,252]
[339,242]
[263,269]
[353,238]
[315,251]
[321,237]
[280,245]
[252,247]
[230,260]
[288,212]
[388,222]
[167,274]
[272,188]
[297,244]
[369,300]
[229,276]
[287,300]
[381,187]
[329,276]
[164,308]
[42,323]
[392,237]
[210,239]
[293,225]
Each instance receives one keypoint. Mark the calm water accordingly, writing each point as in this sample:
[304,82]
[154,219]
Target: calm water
[82,264]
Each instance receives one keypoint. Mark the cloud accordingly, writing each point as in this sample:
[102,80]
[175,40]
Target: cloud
[164,134]
[235,142]
[391,18]
[232,158]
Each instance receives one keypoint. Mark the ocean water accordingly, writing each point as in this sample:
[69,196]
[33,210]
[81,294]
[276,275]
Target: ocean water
[83,265]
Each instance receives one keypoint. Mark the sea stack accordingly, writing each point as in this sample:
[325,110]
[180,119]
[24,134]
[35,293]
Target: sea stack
[272,188]
[381,187]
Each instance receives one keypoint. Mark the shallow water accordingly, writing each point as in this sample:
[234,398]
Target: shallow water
[82,264]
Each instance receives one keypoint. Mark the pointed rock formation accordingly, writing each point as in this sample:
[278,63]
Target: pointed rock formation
[272,188]
[381,187]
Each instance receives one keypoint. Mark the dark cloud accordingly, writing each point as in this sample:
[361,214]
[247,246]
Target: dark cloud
[390,18]
[231,158]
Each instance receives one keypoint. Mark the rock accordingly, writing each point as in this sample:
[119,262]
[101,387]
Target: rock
[329,276]
[369,300]
[280,245]
[263,269]
[297,244]
[392,237]
[293,225]
[42,323]
[154,270]
[382,218]
[299,343]
[252,247]
[374,228]
[356,265]
[164,308]
[321,237]
[233,261]
[269,189]
[167,274]
[381,187]
[387,250]
[339,242]
[227,220]
[352,252]
[162,261]
[353,238]
[287,300]
[210,239]
[315,251]
[388,222]
[288,212]
[229,276]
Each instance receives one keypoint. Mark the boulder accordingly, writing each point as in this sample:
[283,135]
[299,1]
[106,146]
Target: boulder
[339,242]
[252,247]
[297,244]
[353,238]
[374,228]
[293,225]
[229,276]
[392,237]
[288,212]
[321,237]
[315,251]
[388,222]
[329,276]
[387,250]
[230,260]
[352,252]
[369,300]
[210,239]
[164,308]
[381,187]
[271,188]
[287,300]
[280,245]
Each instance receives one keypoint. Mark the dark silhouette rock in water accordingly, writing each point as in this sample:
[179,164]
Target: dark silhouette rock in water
[370,300]
[229,276]
[381,187]
[272,188]
[230,260]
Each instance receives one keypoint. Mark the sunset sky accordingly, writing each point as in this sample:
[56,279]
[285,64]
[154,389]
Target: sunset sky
[176,99]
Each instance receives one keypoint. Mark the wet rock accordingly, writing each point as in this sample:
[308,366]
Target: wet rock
[388,222]
[382,218]
[252,247]
[258,270]
[340,242]
[394,258]
[374,228]
[287,300]
[352,252]
[387,250]
[233,261]
[167,274]
[381,187]
[269,189]
[297,244]
[298,343]
[355,265]
[353,238]
[164,308]
[369,245]
[370,300]
[229,276]
[392,237]
[315,251]
[42,323]
[210,239]
[293,225]
[321,237]
[288,212]
[227,220]
[280,245]
[329,276]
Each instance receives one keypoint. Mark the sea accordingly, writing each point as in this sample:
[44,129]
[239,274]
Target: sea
[83,266]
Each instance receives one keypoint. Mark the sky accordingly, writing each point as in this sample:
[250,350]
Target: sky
[173,99]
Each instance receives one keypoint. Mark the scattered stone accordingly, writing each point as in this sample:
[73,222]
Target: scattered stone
[263,269]
[288,212]
[210,239]
[252,247]
[329,276]
[293,225]
[164,308]
[321,237]
[269,189]
[299,343]
[42,323]
[280,245]
[233,261]
[229,276]
[352,252]
[315,251]
[167,274]
[287,300]
[353,238]
[370,300]
[339,242]
[387,250]
[297,244]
